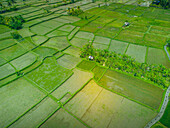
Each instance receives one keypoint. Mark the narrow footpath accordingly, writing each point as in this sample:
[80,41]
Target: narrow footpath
[160,114]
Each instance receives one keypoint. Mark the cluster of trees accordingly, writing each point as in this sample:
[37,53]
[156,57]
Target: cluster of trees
[74,12]
[16,35]
[13,22]
[161,3]
[155,73]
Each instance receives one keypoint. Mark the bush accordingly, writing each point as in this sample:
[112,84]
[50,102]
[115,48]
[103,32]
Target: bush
[16,35]
[155,73]
[13,22]
[74,12]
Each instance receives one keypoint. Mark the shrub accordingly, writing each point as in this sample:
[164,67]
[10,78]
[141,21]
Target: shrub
[13,22]
[16,35]
[74,12]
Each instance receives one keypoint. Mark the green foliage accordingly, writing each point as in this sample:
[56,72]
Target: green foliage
[165,118]
[13,22]
[74,12]
[157,74]
[16,35]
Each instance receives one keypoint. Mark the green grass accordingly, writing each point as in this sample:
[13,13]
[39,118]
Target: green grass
[49,75]
[13,52]
[98,71]
[24,61]
[63,120]
[73,51]
[73,84]
[102,40]
[131,36]
[51,24]
[133,88]
[155,40]
[2,61]
[160,30]
[118,46]
[44,52]
[27,43]
[137,52]
[25,32]
[157,56]
[57,33]
[67,28]
[165,118]
[86,65]
[40,30]
[100,46]
[16,98]
[4,29]
[59,43]
[138,27]
[85,35]
[92,27]
[99,108]
[79,42]
[68,61]
[6,70]
[71,35]
[39,39]
[6,43]
[35,115]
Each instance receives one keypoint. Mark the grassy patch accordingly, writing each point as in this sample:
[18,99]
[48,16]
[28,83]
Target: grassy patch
[57,33]
[137,52]
[6,43]
[160,30]
[92,27]
[47,106]
[155,40]
[13,52]
[98,71]
[68,61]
[86,65]
[131,36]
[100,46]
[102,40]
[118,46]
[6,70]
[63,120]
[39,39]
[157,56]
[44,52]
[58,43]
[24,61]
[73,84]
[4,29]
[84,99]
[25,32]
[16,98]
[73,51]
[79,42]
[51,24]
[40,30]
[133,88]
[73,33]
[49,75]
[67,28]
[85,35]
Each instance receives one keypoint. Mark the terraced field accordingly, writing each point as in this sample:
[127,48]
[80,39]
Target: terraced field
[45,83]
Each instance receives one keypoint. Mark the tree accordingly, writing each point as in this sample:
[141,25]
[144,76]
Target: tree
[164,3]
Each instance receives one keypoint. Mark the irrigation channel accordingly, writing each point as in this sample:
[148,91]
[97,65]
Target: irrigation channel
[160,114]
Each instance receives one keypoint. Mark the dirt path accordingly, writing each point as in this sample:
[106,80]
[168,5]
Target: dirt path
[160,114]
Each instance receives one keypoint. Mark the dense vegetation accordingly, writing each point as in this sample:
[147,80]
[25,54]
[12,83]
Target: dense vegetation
[74,12]
[156,73]
[13,22]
